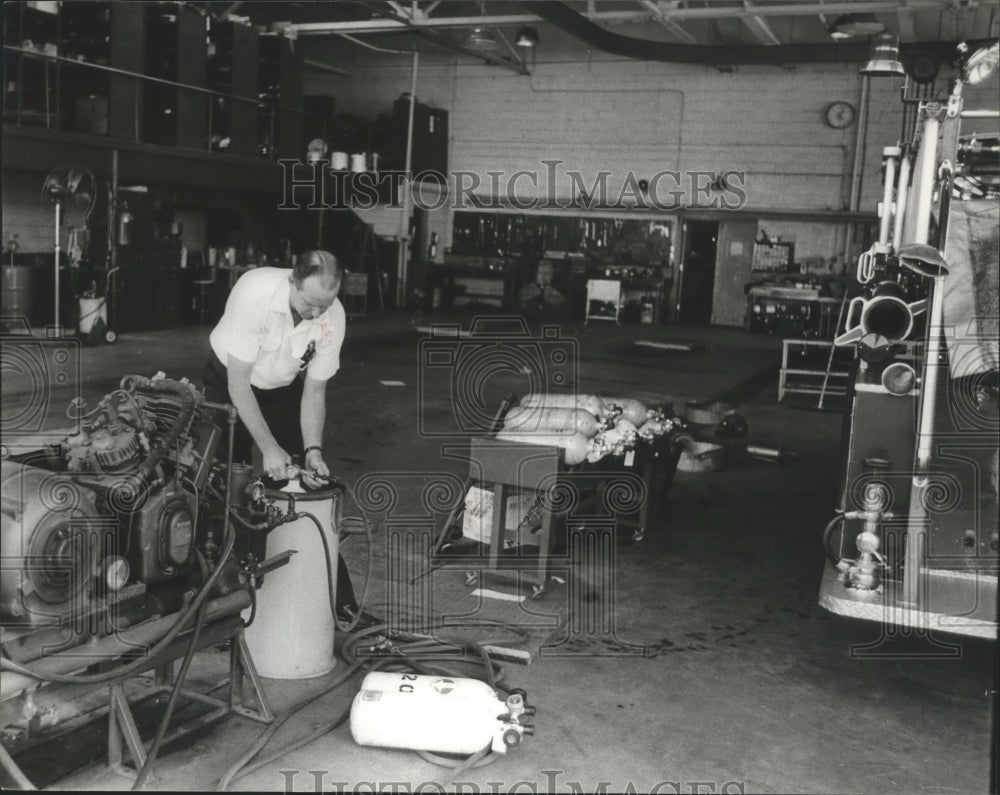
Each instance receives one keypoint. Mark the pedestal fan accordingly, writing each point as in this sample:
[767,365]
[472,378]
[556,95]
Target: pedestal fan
[73,184]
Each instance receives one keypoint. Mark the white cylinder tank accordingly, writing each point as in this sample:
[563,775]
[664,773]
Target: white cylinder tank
[426,713]
[291,636]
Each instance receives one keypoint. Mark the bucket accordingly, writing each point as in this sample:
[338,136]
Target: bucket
[701,457]
[291,636]
[359,163]
[338,161]
[701,412]
[90,310]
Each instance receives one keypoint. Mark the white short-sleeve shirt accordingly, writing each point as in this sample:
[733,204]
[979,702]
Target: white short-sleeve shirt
[257,327]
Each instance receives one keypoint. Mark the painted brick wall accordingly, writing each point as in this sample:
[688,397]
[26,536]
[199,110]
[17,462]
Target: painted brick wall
[623,116]
[626,115]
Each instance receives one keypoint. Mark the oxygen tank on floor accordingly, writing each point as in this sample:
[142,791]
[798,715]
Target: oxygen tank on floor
[441,714]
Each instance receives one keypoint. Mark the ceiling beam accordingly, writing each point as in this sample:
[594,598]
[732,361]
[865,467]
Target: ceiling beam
[398,9]
[427,31]
[667,22]
[758,25]
[518,57]
[390,25]
[907,30]
[231,9]
[827,26]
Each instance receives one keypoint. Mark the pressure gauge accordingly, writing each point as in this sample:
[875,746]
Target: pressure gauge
[840,114]
[116,571]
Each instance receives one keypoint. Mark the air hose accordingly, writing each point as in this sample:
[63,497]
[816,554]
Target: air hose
[175,691]
[396,658]
[133,484]
[832,556]
[839,562]
[396,647]
[15,772]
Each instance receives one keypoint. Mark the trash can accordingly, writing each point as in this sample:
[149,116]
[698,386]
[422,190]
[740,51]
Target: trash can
[18,292]
[90,310]
[647,313]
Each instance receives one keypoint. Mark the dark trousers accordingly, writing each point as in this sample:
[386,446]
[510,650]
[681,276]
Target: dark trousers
[281,409]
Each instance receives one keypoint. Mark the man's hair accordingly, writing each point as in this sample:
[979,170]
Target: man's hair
[318,263]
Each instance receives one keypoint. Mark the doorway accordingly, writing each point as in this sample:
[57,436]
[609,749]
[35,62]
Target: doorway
[698,276]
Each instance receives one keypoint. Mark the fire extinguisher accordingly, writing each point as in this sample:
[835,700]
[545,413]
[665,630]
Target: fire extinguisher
[124,220]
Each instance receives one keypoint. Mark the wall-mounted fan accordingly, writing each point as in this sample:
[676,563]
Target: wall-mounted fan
[67,185]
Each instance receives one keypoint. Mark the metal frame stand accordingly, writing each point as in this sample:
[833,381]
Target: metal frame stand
[506,468]
[123,732]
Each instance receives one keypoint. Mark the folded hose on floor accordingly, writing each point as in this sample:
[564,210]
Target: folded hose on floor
[398,649]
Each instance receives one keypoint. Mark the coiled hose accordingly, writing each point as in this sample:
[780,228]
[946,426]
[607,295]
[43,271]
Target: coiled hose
[400,649]
[400,659]
[133,484]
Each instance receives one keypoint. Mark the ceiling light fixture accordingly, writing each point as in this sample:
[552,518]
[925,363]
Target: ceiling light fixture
[850,25]
[480,39]
[884,58]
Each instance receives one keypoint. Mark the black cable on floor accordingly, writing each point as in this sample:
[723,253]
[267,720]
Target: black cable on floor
[279,721]
[161,732]
[397,658]
[8,764]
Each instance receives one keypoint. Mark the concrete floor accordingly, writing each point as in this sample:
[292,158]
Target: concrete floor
[746,685]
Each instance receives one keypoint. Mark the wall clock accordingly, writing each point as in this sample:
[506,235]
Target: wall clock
[840,115]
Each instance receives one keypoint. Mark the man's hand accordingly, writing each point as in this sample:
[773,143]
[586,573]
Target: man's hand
[276,463]
[315,473]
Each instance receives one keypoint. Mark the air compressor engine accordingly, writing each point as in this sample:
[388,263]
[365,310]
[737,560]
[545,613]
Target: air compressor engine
[449,715]
[112,504]
[112,538]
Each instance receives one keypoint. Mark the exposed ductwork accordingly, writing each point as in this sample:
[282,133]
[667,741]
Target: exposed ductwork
[565,18]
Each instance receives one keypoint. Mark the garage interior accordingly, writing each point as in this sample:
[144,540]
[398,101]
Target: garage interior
[663,447]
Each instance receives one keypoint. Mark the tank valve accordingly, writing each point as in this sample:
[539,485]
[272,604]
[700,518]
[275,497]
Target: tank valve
[863,573]
[257,491]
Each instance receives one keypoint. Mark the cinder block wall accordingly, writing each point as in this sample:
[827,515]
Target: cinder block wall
[598,113]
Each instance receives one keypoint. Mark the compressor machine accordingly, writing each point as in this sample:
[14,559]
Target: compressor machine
[136,541]
[130,544]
